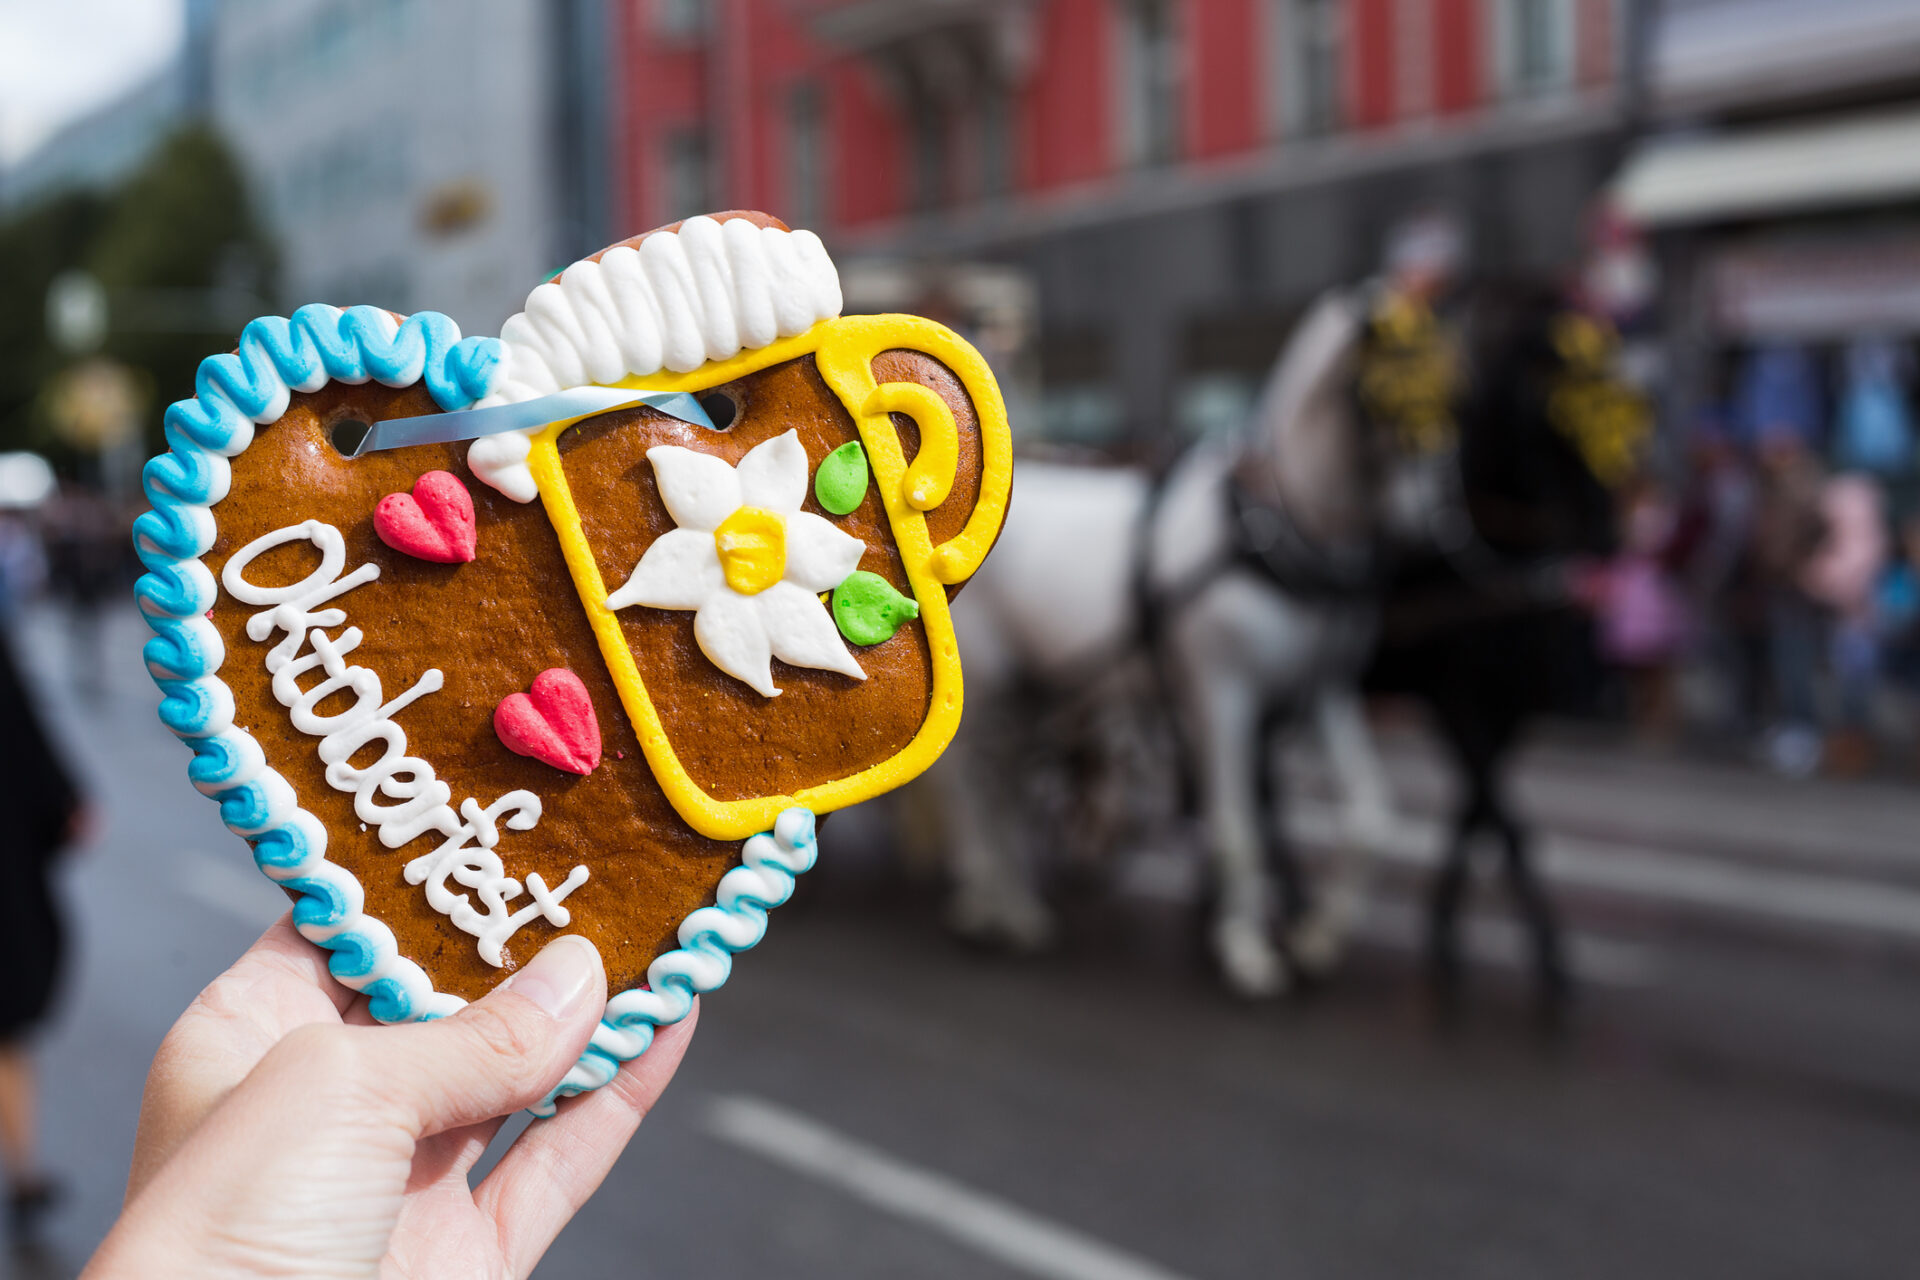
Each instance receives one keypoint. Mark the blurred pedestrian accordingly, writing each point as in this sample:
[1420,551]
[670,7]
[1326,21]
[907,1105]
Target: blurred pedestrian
[1713,564]
[23,566]
[1776,394]
[44,815]
[1896,613]
[1642,615]
[1873,425]
[87,553]
[1841,576]
[1789,528]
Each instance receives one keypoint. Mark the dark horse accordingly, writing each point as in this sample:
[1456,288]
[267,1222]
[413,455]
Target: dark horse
[1486,631]
[1247,582]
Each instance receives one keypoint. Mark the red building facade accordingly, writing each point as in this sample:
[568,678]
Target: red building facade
[829,106]
[999,129]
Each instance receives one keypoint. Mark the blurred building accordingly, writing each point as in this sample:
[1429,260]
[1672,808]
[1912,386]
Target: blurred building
[103,146]
[1176,178]
[419,153]
[110,142]
[1781,186]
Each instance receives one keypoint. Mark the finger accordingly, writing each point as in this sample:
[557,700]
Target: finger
[279,983]
[448,1157]
[498,1054]
[359,1013]
[281,954]
[551,1169]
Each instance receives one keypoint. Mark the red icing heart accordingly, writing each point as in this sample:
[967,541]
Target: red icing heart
[554,724]
[434,522]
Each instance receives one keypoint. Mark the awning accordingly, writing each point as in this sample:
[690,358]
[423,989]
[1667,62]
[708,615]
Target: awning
[1858,160]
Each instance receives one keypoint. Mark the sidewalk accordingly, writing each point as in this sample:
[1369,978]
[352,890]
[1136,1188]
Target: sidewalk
[1575,782]
[1651,846]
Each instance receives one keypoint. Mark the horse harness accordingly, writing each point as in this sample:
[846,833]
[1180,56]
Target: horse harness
[1405,389]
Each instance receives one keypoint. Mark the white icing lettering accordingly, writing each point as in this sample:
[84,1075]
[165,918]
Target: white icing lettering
[419,801]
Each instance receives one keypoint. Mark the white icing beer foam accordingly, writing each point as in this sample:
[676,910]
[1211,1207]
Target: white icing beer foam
[675,301]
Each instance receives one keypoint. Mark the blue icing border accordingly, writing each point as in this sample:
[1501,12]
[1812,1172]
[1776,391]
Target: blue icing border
[709,939]
[234,392]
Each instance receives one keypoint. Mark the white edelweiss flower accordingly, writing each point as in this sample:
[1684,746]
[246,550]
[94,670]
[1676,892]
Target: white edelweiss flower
[748,559]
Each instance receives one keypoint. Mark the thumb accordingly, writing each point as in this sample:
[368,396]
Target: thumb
[501,1053]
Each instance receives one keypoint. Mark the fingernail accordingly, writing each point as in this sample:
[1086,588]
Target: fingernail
[560,977]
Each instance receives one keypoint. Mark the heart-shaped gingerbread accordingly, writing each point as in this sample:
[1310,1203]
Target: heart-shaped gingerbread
[402,736]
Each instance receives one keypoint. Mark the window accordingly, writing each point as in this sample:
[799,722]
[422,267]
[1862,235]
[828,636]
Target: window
[932,154]
[677,19]
[1079,403]
[1535,46]
[384,282]
[1083,413]
[685,185]
[344,175]
[959,116]
[1311,48]
[329,40]
[996,138]
[1149,81]
[1213,406]
[806,156]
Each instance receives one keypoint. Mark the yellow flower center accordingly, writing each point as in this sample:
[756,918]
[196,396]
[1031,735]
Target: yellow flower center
[753,549]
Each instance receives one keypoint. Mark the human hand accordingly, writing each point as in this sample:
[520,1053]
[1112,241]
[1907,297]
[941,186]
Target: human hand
[282,1133]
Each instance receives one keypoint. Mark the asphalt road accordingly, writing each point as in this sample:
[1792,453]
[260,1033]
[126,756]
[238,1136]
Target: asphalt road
[1740,1094]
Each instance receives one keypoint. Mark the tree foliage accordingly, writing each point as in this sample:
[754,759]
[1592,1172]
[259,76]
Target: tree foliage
[169,243]
[36,245]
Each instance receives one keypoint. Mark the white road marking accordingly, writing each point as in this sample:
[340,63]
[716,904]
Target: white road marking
[1844,902]
[233,890]
[1002,1231]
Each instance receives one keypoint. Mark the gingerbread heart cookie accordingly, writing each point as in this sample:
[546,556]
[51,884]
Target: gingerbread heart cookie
[520,663]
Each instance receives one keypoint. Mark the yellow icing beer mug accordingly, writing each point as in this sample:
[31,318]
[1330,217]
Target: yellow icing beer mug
[844,351]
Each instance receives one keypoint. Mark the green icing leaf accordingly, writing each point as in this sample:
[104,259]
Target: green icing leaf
[841,481]
[867,609]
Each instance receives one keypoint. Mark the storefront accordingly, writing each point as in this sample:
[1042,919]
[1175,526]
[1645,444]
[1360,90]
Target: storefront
[1790,256]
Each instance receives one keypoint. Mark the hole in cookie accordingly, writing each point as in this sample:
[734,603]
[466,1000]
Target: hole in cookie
[347,434]
[721,408]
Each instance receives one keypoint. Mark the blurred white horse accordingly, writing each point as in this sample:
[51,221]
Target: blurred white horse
[1088,553]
